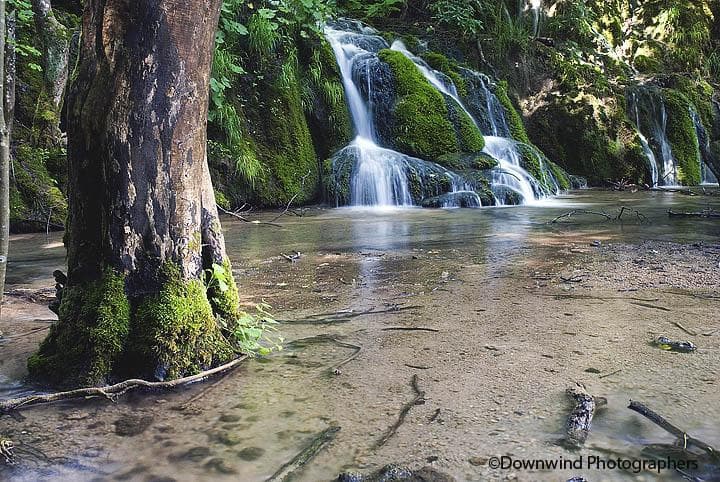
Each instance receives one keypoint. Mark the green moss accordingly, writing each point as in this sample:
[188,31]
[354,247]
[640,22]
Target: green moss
[473,161]
[175,330]
[223,292]
[471,139]
[448,67]
[421,114]
[515,122]
[560,175]
[35,195]
[683,138]
[87,343]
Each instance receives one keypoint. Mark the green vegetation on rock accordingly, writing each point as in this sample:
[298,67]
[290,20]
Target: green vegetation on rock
[682,137]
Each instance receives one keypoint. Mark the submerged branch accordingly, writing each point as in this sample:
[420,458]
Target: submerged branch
[318,443]
[681,435]
[419,399]
[112,392]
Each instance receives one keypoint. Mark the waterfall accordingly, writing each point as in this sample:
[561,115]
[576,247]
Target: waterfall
[649,154]
[705,152]
[380,176]
[651,122]
[535,7]
[498,144]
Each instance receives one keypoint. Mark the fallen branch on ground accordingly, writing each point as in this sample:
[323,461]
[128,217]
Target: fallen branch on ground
[419,399]
[682,436]
[318,443]
[577,427]
[112,392]
[608,217]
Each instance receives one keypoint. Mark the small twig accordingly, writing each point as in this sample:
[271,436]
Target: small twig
[111,392]
[689,332]
[419,399]
[581,211]
[410,328]
[417,367]
[435,415]
[648,305]
[611,374]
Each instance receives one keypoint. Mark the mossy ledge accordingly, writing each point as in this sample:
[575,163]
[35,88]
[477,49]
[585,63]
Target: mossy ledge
[103,334]
[682,137]
[423,122]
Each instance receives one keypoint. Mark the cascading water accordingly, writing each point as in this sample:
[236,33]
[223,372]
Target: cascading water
[535,7]
[705,152]
[437,79]
[649,154]
[510,174]
[379,175]
[651,122]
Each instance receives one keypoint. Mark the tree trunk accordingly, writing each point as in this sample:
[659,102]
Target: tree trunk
[143,227]
[55,40]
[4,165]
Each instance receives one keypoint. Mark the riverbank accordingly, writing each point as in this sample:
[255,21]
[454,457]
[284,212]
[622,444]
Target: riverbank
[513,310]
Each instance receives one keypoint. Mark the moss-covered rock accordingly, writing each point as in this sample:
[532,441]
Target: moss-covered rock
[88,342]
[683,138]
[514,120]
[421,114]
[35,196]
[465,161]
[427,125]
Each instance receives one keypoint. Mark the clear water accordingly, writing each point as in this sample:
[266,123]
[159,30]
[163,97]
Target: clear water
[356,260]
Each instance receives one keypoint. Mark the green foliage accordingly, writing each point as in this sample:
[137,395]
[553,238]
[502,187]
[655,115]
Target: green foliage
[463,16]
[374,9]
[256,333]
[24,48]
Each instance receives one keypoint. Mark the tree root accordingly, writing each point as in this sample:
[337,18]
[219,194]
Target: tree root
[577,427]
[112,392]
[419,399]
[318,443]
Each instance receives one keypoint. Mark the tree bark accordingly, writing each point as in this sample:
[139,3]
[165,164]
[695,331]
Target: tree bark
[4,166]
[55,40]
[143,227]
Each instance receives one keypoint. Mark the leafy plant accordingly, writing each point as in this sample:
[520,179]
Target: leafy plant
[252,333]
[257,333]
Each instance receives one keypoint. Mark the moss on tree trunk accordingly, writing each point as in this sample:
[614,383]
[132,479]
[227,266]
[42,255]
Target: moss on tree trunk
[143,227]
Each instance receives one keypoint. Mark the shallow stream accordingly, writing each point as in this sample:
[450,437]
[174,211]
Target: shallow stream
[512,334]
